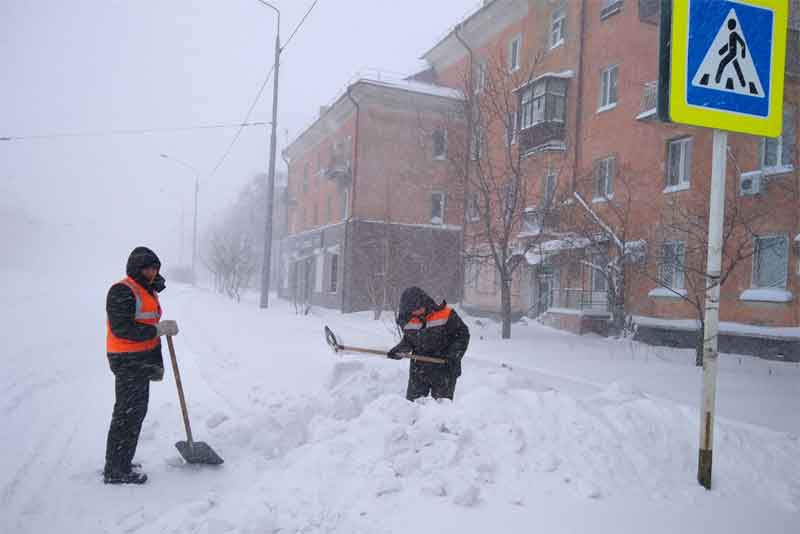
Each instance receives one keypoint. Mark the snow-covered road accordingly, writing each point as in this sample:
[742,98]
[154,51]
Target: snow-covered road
[549,432]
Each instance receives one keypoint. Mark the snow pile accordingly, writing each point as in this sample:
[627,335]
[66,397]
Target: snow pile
[329,461]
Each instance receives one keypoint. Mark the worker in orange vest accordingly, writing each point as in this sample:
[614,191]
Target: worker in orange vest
[430,329]
[133,346]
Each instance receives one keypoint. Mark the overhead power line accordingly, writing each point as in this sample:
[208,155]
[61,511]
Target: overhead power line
[260,92]
[132,131]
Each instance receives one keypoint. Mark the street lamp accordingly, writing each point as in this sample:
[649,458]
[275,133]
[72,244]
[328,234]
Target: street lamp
[196,194]
[265,269]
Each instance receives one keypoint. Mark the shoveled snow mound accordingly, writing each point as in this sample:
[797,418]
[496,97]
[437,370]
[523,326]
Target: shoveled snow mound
[334,461]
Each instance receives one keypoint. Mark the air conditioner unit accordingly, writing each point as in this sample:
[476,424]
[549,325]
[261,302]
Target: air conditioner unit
[750,183]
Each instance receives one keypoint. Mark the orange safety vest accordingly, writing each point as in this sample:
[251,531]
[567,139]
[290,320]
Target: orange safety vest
[148,311]
[437,318]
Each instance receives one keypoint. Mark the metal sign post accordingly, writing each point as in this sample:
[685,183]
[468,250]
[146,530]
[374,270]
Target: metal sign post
[716,217]
[721,66]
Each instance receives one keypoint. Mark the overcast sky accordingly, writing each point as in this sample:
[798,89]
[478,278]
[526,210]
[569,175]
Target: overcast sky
[101,65]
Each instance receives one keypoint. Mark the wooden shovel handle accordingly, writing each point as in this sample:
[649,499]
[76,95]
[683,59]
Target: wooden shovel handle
[179,385]
[419,358]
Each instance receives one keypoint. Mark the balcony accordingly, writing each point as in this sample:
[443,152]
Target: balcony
[539,220]
[649,102]
[338,169]
[580,300]
[546,134]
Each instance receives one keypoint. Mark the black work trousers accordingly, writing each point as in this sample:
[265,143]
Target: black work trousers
[132,387]
[424,380]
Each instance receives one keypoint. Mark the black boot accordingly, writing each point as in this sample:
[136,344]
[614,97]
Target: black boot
[132,477]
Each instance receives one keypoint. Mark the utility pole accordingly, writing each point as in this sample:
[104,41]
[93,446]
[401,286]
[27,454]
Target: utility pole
[266,267]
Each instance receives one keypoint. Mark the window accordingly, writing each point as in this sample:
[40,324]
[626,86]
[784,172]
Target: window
[345,204]
[480,77]
[437,208]
[543,101]
[511,128]
[334,274]
[670,269]
[319,265]
[513,53]
[549,188]
[439,143]
[771,261]
[604,171]
[558,27]
[608,88]
[599,282]
[477,144]
[610,7]
[474,207]
[306,169]
[679,163]
[777,155]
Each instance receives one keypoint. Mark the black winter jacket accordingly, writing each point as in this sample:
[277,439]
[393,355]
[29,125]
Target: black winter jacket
[121,310]
[449,341]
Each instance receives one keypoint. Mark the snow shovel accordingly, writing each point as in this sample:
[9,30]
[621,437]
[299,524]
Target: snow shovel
[337,347]
[194,452]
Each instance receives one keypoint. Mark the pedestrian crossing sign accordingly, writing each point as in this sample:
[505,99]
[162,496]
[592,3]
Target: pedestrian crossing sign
[726,64]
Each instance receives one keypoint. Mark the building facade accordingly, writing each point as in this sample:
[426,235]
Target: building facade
[613,220]
[372,207]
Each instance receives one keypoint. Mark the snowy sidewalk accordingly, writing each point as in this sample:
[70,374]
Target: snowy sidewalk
[549,433]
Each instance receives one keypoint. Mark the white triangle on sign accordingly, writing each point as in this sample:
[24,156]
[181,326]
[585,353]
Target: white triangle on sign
[724,68]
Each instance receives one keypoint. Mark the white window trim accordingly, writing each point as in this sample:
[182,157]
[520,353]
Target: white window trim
[674,243]
[553,21]
[516,39]
[480,78]
[330,280]
[684,182]
[683,186]
[444,206]
[608,105]
[754,262]
[605,197]
[662,292]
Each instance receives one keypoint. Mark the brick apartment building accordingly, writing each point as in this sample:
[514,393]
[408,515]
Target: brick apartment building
[584,79]
[372,208]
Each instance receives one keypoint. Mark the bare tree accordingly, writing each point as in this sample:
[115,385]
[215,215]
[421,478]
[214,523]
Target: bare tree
[497,187]
[678,263]
[603,229]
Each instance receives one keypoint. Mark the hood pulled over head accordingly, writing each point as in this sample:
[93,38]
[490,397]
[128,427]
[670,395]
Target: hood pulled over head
[412,299]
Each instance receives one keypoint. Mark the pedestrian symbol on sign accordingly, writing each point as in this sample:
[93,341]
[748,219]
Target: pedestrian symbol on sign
[728,65]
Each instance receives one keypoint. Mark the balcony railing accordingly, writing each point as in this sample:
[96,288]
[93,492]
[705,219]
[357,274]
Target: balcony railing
[580,299]
[649,101]
[541,135]
[338,168]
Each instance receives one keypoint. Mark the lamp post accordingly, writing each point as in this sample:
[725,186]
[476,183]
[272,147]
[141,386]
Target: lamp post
[196,194]
[265,269]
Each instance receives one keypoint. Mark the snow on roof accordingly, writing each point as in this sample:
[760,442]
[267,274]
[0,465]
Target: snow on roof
[416,87]
[539,253]
[797,238]
[564,75]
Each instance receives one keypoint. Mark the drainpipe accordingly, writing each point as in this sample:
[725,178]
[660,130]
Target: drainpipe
[465,205]
[348,226]
[579,99]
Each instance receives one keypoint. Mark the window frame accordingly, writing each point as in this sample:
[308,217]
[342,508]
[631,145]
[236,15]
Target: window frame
[473,206]
[605,103]
[514,62]
[479,83]
[547,92]
[549,193]
[685,164]
[756,256]
[558,22]
[607,168]
[789,117]
[442,206]
[595,274]
[443,154]
[333,273]
[677,268]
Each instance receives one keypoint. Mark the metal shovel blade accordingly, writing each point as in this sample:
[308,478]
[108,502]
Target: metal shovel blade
[333,343]
[198,453]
